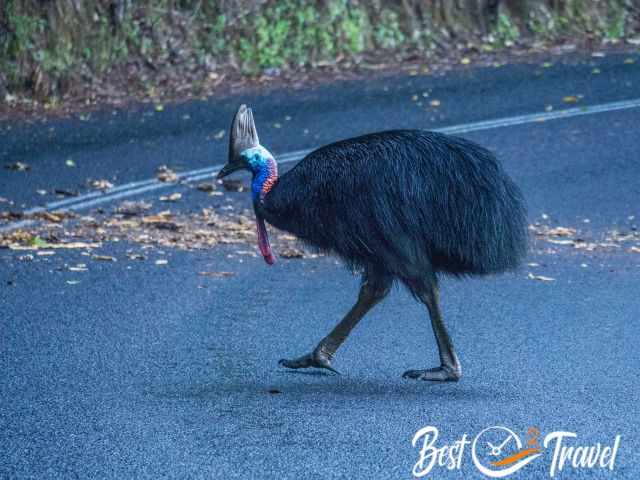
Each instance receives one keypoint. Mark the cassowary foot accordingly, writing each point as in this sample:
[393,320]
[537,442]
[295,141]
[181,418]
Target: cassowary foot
[444,373]
[315,359]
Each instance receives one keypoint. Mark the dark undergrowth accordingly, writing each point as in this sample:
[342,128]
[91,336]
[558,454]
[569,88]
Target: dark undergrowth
[53,50]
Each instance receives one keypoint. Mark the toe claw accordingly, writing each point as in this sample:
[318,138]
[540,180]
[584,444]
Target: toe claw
[330,368]
[315,359]
[439,374]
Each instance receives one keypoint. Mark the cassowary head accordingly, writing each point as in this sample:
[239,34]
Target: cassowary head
[243,136]
[246,153]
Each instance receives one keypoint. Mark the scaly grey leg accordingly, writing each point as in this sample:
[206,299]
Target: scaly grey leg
[374,288]
[449,369]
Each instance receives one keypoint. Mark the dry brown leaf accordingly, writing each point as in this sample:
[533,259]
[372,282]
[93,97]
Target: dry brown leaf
[78,269]
[165,174]
[540,278]
[206,187]
[562,232]
[129,208]
[560,242]
[70,245]
[18,167]
[100,184]
[291,253]
[174,197]
[233,185]
[216,274]
[104,258]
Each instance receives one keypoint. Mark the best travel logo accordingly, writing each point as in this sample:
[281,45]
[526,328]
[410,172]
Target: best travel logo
[498,451]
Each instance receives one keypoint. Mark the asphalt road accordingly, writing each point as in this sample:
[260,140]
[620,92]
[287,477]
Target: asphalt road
[138,372]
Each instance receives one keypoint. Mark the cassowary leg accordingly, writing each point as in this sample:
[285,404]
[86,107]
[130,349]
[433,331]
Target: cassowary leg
[373,290]
[449,369]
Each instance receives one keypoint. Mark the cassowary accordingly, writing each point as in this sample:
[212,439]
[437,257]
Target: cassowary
[401,205]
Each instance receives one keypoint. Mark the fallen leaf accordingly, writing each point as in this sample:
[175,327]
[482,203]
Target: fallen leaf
[540,278]
[65,193]
[100,184]
[50,217]
[291,253]
[18,167]
[162,221]
[129,208]
[174,197]
[42,244]
[560,242]
[78,269]
[159,217]
[233,185]
[216,274]
[165,174]
[206,187]
[104,258]
[562,232]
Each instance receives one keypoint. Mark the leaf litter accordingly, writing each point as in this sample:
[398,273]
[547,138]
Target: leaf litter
[136,223]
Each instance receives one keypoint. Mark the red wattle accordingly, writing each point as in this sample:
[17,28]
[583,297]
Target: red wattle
[263,242]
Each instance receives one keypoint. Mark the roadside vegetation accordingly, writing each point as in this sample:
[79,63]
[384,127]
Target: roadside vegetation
[57,50]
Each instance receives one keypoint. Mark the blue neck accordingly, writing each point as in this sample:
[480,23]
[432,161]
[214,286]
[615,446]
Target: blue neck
[264,169]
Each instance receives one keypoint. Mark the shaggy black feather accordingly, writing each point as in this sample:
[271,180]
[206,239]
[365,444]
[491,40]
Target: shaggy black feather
[406,203]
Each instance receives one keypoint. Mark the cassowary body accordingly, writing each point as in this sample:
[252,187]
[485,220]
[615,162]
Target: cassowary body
[400,205]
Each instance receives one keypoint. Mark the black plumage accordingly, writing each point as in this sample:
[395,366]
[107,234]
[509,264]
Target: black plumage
[406,201]
[401,205]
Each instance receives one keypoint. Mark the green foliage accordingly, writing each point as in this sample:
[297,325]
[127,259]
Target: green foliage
[297,32]
[505,32]
[388,32]
[47,46]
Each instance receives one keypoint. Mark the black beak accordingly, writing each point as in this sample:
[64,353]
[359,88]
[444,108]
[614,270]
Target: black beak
[228,169]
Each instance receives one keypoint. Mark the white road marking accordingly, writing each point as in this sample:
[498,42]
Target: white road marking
[135,188]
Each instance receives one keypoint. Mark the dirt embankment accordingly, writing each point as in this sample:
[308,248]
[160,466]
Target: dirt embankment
[67,54]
